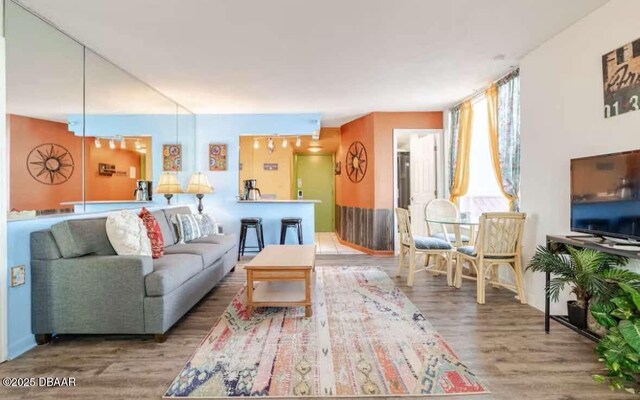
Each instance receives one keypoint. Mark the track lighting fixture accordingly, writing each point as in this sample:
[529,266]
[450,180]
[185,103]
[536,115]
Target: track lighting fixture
[97,143]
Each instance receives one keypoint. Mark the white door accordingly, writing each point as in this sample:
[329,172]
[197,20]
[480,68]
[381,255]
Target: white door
[423,178]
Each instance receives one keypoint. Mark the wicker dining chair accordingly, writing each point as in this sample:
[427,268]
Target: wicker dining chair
[499,242]
[414,245]
[443,209]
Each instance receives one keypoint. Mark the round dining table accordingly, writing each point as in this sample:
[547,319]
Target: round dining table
[449,224]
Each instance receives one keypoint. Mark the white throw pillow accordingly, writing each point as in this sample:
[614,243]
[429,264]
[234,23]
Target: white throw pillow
[127,234]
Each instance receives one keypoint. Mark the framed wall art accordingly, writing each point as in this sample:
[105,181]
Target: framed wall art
[172,157]
[217,157]
[621,76]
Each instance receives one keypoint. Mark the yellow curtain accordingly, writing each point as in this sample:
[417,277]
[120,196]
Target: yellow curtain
[492,107]
[460,183]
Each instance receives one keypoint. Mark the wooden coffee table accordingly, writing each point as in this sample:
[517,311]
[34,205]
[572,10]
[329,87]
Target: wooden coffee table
[284,274]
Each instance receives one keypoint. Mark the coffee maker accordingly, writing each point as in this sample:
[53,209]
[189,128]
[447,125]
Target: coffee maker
[251,192]
[143,190]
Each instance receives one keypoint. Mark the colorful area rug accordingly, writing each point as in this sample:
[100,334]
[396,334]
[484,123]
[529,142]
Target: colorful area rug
[366,338]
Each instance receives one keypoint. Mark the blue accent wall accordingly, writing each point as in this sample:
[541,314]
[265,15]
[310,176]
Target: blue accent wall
[222,203]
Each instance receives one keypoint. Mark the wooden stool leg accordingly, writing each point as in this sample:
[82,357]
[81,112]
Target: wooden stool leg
[401,261]
[412,267]
[448,257]
[458,278]
[520,280]
[480,282]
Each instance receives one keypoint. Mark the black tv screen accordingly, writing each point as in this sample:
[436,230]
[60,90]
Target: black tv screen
[605,195]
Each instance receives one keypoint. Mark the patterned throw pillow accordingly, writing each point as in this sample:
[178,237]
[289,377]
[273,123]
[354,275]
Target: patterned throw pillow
[207,225]
[187,227]
[127,234]
[153,232]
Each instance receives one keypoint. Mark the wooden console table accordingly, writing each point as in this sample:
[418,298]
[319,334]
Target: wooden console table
[557,243]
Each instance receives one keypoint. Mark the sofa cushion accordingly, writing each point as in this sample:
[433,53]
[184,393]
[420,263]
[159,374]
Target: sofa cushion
[79,237]
[227,242]
[43,246]
[187,227]
[127,234]
[165,227]
[170,272]
[169,213]
[207,224]
[153,232]
[210,253]
[430,243]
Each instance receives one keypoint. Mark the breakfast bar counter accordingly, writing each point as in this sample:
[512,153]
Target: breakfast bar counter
[272,211]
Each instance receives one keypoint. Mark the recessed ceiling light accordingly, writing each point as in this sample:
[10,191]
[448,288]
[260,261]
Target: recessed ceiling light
[499,57]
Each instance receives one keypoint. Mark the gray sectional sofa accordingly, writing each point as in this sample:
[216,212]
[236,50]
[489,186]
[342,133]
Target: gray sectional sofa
[80,285]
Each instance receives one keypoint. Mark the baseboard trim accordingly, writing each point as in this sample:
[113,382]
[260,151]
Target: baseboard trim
[364,249]
[21,346]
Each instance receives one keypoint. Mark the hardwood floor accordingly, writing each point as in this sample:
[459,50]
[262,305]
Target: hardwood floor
[503,342]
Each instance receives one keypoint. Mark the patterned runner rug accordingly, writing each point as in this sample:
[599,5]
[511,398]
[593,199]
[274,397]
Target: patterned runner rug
[366,338]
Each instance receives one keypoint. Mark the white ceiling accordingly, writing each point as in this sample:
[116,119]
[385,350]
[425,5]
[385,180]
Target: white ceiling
[342,58]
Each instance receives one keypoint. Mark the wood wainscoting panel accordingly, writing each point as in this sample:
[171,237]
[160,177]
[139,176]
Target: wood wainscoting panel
[366,227]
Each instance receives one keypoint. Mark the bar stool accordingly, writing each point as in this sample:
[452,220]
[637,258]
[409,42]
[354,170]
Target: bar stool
[245,224]
[292,222]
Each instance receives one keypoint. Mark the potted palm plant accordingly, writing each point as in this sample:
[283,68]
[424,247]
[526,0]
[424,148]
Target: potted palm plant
[588,272]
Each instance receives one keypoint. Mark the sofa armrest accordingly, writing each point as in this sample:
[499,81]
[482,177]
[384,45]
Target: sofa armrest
[91,294]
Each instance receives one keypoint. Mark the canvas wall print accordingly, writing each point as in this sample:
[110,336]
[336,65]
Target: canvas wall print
[621,73]
[217,157]
[172,157]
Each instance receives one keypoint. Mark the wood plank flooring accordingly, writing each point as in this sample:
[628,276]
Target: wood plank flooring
[502,341]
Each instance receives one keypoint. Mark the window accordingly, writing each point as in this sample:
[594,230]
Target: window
[484,194]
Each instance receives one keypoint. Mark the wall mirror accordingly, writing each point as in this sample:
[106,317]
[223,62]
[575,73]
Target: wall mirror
[85,135]
[44,86]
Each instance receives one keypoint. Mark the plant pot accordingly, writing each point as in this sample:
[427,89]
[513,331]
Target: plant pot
[577,314]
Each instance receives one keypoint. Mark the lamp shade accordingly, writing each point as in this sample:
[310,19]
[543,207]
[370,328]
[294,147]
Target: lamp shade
[199,184]
[168,183]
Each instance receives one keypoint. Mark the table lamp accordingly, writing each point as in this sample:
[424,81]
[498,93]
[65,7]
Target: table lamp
[199,185]
[168,185]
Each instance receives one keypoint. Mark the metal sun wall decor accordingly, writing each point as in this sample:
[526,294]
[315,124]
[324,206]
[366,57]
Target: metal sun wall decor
[621,76]
[356,162]
[50,164]
[172,157]
[217,157]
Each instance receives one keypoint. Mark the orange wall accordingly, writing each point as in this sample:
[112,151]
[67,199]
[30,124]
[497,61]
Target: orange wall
[383,125]
[25,192]
[361,194]
[115,187]
[375,131]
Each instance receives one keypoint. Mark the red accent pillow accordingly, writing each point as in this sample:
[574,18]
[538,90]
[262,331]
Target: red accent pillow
[154,233]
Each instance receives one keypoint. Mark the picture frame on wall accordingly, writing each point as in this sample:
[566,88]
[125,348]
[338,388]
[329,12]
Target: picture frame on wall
[172,157]
[217,157]
[621,78]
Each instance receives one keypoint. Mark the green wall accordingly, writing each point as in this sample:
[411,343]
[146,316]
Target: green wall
[316,172]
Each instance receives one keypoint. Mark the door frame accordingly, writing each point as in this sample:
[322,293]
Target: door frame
[440,172]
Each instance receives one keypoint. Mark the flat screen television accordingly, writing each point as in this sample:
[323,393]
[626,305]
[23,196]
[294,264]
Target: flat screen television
[605,195]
